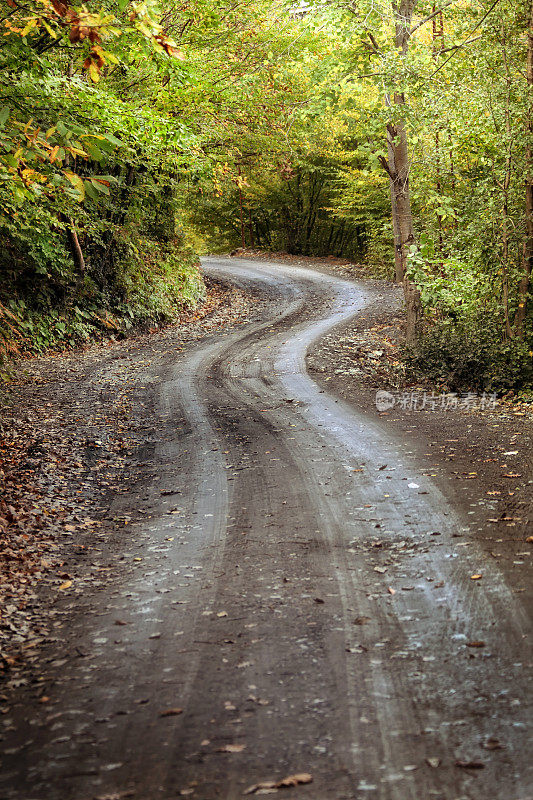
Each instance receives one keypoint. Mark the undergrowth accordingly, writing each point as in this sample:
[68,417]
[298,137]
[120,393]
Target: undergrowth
[472,357]
[158,281]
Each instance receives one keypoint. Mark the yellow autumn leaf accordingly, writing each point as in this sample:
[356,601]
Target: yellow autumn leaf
[94,72]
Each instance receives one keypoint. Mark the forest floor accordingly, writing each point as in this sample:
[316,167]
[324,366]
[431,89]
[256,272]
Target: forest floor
[84,434]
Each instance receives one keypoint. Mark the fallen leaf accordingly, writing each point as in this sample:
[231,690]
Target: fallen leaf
[256,787]
[231,748]
[286,783]
[391,590]
[222,614]
[65,585]
[295,780]
[171,712]
[260,702]
[513,475]
[493,743]
[476,577]
[475,644]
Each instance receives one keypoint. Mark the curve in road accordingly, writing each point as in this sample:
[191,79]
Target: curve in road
[265,620]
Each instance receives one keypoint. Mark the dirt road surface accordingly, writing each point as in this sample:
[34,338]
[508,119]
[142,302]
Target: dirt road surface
[298,599]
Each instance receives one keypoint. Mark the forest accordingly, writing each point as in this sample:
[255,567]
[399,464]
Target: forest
[135,136]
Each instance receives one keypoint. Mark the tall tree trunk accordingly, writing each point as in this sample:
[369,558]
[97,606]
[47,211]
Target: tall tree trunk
[241,210]
[504,185]
[398,266]
[251,228]
[527,260]
[438,36]
[397,166]
[505,257]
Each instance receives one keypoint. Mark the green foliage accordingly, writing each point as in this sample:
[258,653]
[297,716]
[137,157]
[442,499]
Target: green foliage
[111,119]
[159,281]
[458,355]
[448,286]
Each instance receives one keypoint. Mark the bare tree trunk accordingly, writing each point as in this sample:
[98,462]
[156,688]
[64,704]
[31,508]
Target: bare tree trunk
[505,266]
[404,218]
[504,185]
[438,36]
[251,228]
[397,166]
[398,267]
[75,248]
[241,209]
[527,259]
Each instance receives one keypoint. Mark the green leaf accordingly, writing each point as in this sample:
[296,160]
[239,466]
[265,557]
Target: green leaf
[101,187]
[90,191]
[77,183]
[94,152]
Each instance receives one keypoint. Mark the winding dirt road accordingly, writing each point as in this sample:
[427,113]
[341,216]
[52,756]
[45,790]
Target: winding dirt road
[264,610]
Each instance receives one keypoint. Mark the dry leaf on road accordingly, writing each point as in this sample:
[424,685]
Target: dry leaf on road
[231,748]
[286,783]
[171,712]
[493,743]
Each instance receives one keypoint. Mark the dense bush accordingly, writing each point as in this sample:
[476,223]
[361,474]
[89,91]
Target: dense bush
[459,356]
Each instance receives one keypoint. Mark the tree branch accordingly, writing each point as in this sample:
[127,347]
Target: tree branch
[430,17]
